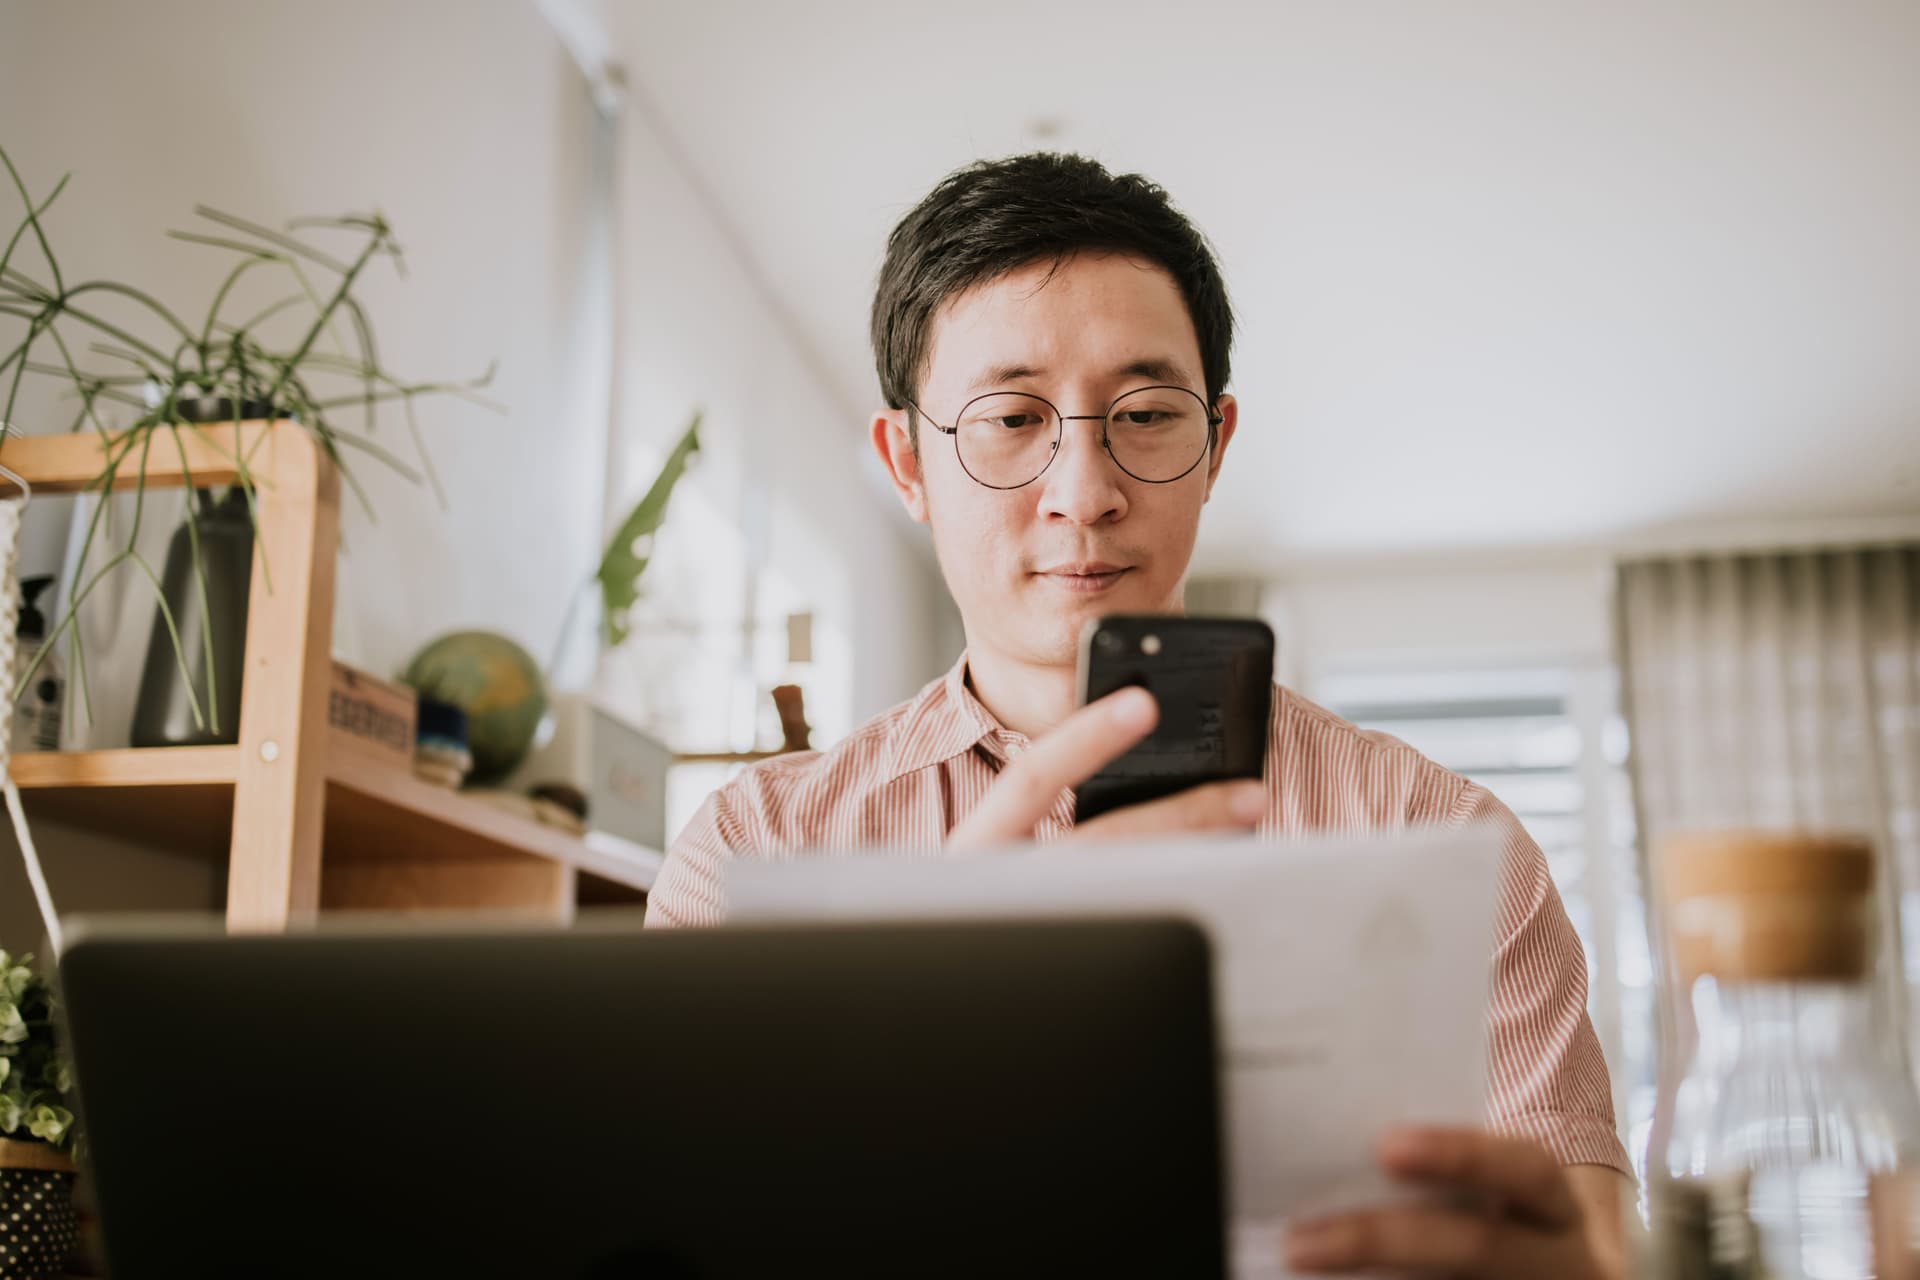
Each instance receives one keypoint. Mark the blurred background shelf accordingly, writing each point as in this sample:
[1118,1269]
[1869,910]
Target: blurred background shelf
[181,798]
[386,834]
[300,824]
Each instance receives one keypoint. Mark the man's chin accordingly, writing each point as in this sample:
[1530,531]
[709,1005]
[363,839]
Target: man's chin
[1059,617]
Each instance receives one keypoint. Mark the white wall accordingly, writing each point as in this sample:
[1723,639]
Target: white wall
[467,125]
[782,503]
[1438,614]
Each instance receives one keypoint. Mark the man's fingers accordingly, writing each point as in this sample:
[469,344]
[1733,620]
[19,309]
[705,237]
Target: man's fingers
[1213,807]
[1080,747]
[1532,1225]
[1427,1241]
[1401,1239]
[1065,757]
[1522,1176]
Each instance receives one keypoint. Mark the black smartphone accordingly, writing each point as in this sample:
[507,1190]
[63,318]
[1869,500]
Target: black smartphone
[1213,679]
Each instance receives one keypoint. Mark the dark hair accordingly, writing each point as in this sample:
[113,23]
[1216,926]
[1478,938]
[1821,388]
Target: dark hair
[996,216]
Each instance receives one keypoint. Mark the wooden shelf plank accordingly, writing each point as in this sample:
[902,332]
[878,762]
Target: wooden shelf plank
[128,767]
[183,797]
[180,798]
[508,887]
[642,863]
[70,462]
[376,812]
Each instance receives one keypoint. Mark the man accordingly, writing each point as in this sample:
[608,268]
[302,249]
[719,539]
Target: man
[1017,286]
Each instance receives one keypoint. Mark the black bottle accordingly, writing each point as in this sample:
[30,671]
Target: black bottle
[163,715]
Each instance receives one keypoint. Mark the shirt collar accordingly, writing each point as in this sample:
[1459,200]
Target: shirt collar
[945,720]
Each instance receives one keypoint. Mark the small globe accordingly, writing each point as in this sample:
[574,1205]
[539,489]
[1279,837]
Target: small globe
[498,685]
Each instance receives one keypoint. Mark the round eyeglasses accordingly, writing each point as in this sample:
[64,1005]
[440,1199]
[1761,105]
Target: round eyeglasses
[1007,439]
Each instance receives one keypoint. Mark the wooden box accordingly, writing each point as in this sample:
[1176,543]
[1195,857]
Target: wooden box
[374,718]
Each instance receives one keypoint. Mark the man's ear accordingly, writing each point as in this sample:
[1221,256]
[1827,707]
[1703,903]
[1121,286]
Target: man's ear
[1229,410]
[897,454]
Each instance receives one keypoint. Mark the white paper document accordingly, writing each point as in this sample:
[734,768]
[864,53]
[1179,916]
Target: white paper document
[1351,978]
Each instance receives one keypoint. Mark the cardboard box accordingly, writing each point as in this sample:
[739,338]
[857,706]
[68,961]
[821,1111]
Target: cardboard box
[372,717]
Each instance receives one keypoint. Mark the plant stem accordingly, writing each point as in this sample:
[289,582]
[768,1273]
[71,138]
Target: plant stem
[33,218]
[306,345]
[200,580]
[117,449]
[243,476]
[21,230]
[126,291]
[226,287]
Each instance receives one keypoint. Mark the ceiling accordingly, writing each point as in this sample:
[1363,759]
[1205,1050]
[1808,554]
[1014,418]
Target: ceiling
[1507,274]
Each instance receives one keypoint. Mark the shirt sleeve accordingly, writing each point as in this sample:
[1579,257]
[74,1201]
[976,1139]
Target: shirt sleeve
[688,889]
[1547,1077]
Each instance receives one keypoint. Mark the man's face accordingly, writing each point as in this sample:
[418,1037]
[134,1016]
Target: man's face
[1029,566]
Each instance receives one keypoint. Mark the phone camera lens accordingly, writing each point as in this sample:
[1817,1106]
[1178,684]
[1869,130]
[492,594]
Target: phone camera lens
[1106,640]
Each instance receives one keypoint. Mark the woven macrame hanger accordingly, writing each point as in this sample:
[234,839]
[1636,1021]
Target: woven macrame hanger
[11,510]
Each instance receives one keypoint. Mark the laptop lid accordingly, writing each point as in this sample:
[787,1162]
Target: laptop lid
[1005,1099]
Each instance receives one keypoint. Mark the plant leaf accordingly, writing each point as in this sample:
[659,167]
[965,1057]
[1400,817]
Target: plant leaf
[224,242]
[33,219]
[623,563]
[272,237]
[6,255]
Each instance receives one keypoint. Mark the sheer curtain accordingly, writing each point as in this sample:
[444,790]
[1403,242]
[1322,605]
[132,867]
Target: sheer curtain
[1782,690]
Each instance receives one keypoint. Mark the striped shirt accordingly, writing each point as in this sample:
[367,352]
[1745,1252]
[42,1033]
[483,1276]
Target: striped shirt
[903,780]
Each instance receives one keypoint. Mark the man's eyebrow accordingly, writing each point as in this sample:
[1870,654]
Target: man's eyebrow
[1000,374]
[1159,369]
[1156,369]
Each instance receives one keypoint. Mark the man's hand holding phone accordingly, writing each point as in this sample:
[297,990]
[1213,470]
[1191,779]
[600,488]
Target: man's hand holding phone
[1077,749]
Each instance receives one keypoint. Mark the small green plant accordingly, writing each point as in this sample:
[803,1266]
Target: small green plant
[632,543]
[616,580]
[36,1082]
[302,350]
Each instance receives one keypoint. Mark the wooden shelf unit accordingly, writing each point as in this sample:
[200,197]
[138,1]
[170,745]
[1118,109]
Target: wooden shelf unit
[301,826]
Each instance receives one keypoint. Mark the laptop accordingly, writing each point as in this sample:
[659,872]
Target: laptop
[958,1099]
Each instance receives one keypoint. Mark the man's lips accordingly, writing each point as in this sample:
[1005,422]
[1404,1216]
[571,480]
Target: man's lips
[1087,575]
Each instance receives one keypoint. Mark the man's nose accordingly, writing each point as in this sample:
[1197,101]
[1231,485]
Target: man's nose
[1083,484]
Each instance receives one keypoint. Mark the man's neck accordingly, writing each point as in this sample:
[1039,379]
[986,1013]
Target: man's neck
[1026,697]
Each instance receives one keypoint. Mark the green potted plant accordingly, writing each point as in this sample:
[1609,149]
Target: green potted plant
[37,1129]
[285,338]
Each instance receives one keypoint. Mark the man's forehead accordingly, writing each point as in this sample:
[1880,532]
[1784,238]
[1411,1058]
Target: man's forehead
[1091,315]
